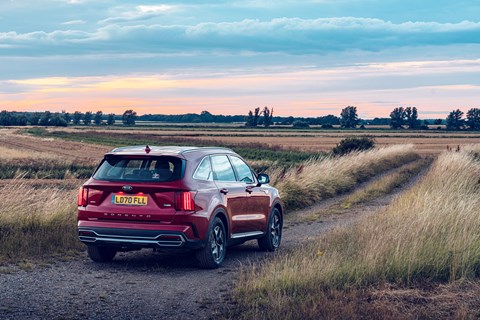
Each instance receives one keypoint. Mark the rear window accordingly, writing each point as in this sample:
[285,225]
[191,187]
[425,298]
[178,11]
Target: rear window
[151,169]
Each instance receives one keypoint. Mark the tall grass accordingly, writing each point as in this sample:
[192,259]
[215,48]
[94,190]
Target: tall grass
[321,178]
[431,232]
[36,222]
[387,183]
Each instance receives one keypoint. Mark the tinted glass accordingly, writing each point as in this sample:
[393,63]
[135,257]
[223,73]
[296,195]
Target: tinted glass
[222,169]
[153,169]
[204,170]
[243,170]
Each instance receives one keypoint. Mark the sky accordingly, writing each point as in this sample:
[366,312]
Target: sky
[301,58]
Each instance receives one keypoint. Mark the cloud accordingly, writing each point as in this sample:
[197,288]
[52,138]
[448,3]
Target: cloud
[73,22]
[139,13]
[288,35]
[374,88]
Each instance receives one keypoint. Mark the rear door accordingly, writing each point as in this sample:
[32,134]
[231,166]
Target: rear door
[233,192]
[135,189]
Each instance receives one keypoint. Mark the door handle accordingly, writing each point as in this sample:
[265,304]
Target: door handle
[224,190]
[249,190]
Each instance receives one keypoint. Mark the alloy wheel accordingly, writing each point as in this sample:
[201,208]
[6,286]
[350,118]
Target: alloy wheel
[217,243]
[276,230]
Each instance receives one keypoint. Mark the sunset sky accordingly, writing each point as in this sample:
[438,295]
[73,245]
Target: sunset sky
[303,58]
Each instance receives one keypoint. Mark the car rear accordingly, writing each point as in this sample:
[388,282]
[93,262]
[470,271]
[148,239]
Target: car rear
[135,201]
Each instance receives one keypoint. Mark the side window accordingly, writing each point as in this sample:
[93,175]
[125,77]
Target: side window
[243,170]
[222,169]
[204,170]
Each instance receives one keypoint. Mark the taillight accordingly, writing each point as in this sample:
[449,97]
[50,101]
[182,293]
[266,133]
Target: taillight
[82,197]
[185,201]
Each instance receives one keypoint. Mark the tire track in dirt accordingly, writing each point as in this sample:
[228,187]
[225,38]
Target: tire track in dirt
[150,285]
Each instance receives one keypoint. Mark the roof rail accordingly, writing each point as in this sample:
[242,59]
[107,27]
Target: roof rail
[204,148]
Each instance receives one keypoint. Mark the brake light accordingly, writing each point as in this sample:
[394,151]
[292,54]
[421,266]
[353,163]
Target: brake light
[82,197]
[184,201]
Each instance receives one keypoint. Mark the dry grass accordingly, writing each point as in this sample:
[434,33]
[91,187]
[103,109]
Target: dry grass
[36,222]
[386,184]
[426,143]
[430,233]
[11,153]
[319,179]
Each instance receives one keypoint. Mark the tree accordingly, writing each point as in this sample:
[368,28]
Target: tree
[34,118]
[77,116]
[87,118]
[349,117]
[22,120]
[397,118]
[45,118]
[67,117]
[5,118]
[411,117]
[267,117]
[206,116]
[129,117]
[438,121]
[58,120]
[249,119]
[252,118]
[98,118]
[473,119]
[454,120]
[111,119]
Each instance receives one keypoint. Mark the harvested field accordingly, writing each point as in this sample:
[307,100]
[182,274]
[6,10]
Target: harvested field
[24,146]
[426,143]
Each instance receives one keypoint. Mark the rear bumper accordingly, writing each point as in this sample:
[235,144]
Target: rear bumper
[136,238]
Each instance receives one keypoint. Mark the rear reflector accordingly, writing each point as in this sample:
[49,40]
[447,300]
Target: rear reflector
[185,201]
[82,197]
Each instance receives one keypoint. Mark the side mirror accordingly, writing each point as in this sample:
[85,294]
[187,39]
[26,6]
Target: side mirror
[263,178]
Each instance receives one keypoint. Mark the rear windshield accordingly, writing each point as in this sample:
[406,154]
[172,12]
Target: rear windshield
[152,169]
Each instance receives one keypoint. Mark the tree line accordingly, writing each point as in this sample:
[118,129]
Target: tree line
[62,119]
[400,118]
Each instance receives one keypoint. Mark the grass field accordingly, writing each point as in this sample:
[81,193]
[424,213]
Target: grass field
[42,165]
[428,235]
[37,220]
[312,141]
[427,239]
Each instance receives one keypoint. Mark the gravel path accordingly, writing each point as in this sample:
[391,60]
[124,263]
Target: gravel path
[146,285]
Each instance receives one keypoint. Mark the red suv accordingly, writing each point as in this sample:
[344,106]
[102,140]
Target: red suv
[202,199]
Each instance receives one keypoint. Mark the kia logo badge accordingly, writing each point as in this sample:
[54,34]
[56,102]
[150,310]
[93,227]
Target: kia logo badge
[127,188]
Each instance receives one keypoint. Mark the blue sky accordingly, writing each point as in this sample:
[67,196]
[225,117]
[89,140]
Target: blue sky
[300,57]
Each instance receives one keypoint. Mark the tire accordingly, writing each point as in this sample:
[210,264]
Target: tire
[272,239]
[101,254]
[212,255]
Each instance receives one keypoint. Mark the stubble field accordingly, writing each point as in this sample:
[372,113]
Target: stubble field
[41,169]
[313,140]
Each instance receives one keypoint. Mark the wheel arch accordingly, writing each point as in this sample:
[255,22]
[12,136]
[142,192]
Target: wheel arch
[278,205]
[222,215]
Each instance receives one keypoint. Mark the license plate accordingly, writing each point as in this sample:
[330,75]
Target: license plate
[129,200]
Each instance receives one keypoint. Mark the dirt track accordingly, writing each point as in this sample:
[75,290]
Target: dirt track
[146,285]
